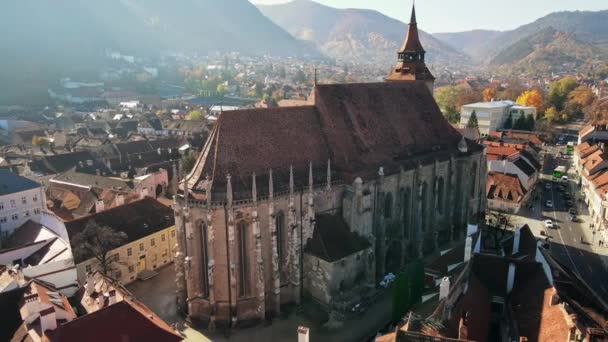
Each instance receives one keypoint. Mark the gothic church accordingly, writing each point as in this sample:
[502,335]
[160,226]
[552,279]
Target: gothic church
[321,201]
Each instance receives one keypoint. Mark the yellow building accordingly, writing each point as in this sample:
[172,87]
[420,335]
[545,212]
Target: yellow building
[150,229]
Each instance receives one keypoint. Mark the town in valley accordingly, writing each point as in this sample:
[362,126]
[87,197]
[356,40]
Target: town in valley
[227,170]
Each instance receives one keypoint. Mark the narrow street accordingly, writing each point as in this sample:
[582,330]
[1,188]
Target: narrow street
[572,243]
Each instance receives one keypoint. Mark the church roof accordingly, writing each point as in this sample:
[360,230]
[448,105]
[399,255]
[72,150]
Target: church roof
[359,127]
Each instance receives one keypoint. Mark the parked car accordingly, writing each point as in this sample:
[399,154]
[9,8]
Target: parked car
[565,179]
[573,218]
[548,224]
[548,185]
[569,204]
[549,204]
[572,211]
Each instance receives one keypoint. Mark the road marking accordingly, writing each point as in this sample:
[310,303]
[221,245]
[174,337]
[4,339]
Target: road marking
[561,238]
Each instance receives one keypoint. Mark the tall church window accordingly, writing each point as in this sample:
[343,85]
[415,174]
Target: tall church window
[405,211]
[204,261]
[388,205]
[244,288]
[440,190]
[423,205]
[281,235]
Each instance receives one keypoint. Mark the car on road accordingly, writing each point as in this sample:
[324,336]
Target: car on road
[572,211]
[565,179]
[573,218]
[549,204]
[569,204]
[548,185]
[548,224]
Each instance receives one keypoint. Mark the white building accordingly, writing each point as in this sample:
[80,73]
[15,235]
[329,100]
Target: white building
[39,251]
[21,199]
[492,115]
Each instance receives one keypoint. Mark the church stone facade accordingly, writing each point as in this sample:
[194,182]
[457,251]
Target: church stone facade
[314,202]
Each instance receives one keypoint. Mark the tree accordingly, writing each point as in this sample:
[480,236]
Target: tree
[97,241]
[446,97]
[559,91]
[299,77]
[520,123]
[188,161]
[598,111]
[530,123]
[531,98]
[582,96]
[551,114]
[488,94]
[194,115]
[473,121]
[509,122]
[467,97]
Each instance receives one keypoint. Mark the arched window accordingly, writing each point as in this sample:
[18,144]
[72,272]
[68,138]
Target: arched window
[405,211]
[243,259]
[440,190]
[204,261]
[423,205]
[281,235]
[388,205]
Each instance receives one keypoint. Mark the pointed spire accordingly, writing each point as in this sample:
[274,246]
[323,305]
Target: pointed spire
[310,179]
[291,181]
[270,186]
[328,174]
[413,17]
[229,190]
[254,190]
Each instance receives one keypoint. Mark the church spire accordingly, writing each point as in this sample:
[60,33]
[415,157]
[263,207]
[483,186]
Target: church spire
[410,58]
[412,46]
[413,17]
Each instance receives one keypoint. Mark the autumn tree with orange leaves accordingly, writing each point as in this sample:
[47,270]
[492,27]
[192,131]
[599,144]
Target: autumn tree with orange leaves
[532,98]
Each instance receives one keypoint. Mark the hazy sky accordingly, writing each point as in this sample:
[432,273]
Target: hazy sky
[461,15]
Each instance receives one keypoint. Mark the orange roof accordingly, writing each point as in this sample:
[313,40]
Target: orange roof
[504,187]
[501,150]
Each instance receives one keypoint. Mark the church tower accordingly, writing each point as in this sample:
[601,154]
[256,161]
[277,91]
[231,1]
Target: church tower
[410,59]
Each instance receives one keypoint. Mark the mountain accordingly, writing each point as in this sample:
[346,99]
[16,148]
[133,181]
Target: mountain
[584,26]
[354,34]
[470,42]
[548,51]
[42,40]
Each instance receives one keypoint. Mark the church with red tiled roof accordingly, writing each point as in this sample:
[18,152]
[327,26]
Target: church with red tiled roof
[321,201]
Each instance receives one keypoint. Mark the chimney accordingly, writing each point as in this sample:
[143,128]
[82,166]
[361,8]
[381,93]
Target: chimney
[303,334]
[90,284]
[112,297]
[468,246]
[99,206]
[511,277]
[516,239]
[444,288]
[48,319]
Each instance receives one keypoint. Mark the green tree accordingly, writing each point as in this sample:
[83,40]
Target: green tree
[188,161]
[194,115]
[447,98]
[509,122]
[97,241]
[472,123]
[299,77]
[559,91]
[530,123]
[520,123]
[551,114]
